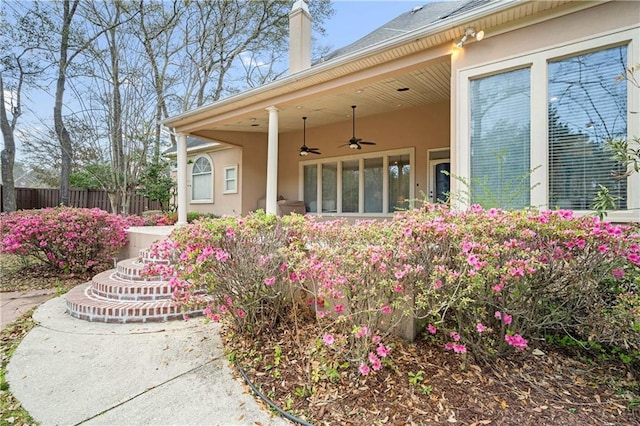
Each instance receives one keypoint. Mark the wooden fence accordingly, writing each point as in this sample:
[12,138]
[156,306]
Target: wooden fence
[38,198]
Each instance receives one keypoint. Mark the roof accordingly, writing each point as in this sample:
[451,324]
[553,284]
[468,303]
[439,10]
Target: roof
[192,144]
[418,17]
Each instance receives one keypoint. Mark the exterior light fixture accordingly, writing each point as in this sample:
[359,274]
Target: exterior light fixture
[470,32]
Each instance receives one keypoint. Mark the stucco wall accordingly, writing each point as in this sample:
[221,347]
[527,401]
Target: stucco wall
[253,165]
[423,128]
[223,204]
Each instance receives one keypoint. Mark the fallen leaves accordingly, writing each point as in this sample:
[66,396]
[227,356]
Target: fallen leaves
[547,388]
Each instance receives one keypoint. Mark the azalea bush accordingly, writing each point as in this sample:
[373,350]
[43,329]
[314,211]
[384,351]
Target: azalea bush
[488,282]
[495,282]
[348,273]
[73,240]
[238,263]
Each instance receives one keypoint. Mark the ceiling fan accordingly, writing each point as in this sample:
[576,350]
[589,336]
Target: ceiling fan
[355,143]
[304,149]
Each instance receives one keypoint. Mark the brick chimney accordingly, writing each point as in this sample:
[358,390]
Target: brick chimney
[299,37]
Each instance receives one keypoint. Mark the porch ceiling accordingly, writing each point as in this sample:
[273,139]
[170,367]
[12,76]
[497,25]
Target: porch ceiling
[426,85]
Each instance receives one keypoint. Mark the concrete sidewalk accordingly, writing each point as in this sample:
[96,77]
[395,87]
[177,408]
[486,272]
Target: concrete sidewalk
[68,372]
[14,304]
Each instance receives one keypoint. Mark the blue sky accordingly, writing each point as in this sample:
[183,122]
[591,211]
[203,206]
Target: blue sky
[356,18]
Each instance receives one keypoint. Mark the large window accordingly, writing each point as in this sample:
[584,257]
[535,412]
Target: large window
[587,108]
[500,140]
[202,180]
[534,129]
[376,183]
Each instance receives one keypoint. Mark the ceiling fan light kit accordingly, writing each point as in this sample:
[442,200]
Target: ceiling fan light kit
[304,149]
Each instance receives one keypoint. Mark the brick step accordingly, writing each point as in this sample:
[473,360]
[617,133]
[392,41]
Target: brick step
[146,256]
[131,269]
[110,286]
[83,304]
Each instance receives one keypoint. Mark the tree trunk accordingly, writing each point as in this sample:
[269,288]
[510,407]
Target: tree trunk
[7,157]
[61,131]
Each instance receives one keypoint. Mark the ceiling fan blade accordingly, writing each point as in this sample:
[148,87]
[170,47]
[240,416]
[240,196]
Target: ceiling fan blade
[367,143]
[315,152]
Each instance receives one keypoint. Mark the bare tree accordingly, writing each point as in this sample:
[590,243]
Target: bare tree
[20,66]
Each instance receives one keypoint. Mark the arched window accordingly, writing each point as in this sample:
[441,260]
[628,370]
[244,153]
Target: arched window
[202,180]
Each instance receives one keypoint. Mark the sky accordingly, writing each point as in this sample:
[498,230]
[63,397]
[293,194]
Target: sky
[353,19]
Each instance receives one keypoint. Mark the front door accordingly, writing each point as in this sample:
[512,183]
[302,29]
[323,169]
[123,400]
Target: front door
[439,180]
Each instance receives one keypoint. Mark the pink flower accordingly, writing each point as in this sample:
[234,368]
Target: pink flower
[376,339]
[617,273]
[240,313]
[362,331]
[221,255]
[386,309]
[455,336]
[383,350]
[364,369]
[270,281]
[437,285]
[328,339]
[498,287]
[338,309]
[459,349]
[506,318]
[480,327]
[373,358]
[432,329]
[517,341]
[498,315]
[320,314]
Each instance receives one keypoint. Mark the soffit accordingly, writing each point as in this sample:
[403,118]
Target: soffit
[325,92]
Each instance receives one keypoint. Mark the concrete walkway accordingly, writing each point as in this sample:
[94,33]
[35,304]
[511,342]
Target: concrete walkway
[14,304]
[70,372]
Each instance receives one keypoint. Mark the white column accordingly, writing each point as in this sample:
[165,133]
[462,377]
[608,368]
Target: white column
[272,163]
[182,179]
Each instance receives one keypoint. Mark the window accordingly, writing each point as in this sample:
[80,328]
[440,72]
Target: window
[350,186]
[548,114]
[329,189]
[587,107]
[500,140]
[231,179]
[202,180]
[399,173]
[376,183]
[373,185]
[310,182]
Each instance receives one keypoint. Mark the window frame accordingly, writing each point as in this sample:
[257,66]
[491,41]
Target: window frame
[538,62]
[360,157]
[202,200]
[225,180]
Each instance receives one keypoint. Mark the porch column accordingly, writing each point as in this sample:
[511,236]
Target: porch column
[272,163]
[182,179]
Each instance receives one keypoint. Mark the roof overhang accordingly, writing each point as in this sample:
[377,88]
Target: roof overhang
[369,78]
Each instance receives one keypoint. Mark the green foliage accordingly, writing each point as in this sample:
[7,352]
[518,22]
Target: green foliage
[511,193]
[156,184]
